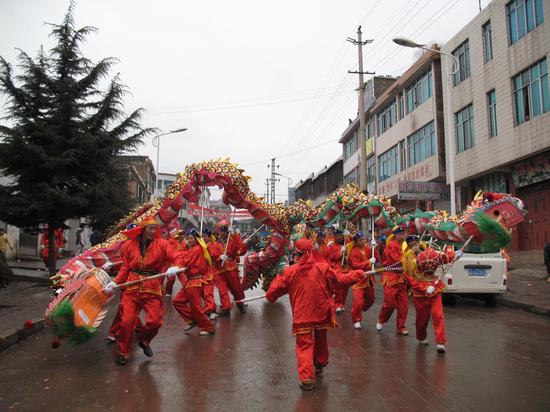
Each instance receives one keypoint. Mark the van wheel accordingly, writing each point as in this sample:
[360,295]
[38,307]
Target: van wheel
[448,299]
[489,299]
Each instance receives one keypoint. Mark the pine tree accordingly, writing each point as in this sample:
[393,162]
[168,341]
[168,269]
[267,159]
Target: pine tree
[62,136]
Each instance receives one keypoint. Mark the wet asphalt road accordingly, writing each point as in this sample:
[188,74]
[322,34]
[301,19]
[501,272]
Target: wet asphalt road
[498,359]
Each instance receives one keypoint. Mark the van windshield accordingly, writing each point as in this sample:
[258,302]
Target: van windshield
[480,249]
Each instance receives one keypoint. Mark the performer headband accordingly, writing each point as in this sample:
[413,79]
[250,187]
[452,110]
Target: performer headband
[149,221]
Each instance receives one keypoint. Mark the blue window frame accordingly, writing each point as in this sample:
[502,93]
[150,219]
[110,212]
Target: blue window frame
[492,113]
[419,91]
[531,92]
[388,164]
[523,17]
[464,123]
[462,53]
[421,144]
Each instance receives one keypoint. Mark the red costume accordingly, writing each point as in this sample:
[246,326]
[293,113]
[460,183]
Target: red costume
[227,273]
[308,285]
[178,247]
[334,257]
[426,303]
[145,296]
[188,301]
[363,292]
[59,243]
[395,290]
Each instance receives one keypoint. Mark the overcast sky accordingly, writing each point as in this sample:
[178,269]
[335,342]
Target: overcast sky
[250,79]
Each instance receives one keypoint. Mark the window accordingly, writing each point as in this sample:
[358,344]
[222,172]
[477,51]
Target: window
[421,144]
[462,53]
[371,169]
[492,113]
[487,42]
[351,177]
[420,91]
[388,164]
[464,121]
[401,105]
[387,117]
[531,93]
[523,17]
[370,127]
[402,156]
[351,146]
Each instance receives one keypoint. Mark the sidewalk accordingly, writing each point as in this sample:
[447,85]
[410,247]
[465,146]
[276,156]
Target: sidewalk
[527,288]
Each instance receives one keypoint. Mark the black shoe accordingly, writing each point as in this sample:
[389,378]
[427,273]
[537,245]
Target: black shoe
[189,326]
[121,360]
[146,349]
[307,386]
[223,312]
[242,308]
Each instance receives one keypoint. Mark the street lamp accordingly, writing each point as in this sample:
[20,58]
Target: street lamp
[454,67]
[289,181]
[156,143]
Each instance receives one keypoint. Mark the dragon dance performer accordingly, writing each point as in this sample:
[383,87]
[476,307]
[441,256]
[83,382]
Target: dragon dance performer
[189,300]
[320,246]
[209,302]
[360,258]
[426,290]
[335,251]
[308,285]
[227,276]
[177,242]
[395,289]
[144,254]
[59,243]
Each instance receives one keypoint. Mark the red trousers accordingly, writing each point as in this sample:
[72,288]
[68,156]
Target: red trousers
[169,285]
[209,302]
[228,281]
[311,351]
[340,295]
[424,307]
[117,322]
[188,303]
[395,297]
[132,304]
[363,299]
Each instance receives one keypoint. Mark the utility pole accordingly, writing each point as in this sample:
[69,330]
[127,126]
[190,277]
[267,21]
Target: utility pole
[362,124]
[267,190]
[272,180]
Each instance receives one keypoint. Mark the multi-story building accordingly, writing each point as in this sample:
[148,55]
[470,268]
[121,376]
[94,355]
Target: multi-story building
[408,160]
[351,144]
[319,185]
[141,177]
[500,102]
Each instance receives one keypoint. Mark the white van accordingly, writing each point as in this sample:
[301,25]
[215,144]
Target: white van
[481,272]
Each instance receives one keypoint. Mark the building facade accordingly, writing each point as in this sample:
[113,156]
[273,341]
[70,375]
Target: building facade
[141,177]
[319,185]
[500,102]
[407,159]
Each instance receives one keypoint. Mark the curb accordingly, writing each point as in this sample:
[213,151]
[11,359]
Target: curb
[523,306]
[34,279]
[13,336]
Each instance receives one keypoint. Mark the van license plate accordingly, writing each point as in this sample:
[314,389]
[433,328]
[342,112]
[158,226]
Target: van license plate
[477,272]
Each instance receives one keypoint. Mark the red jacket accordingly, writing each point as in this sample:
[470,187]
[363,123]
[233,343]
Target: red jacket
[197,267]
[392,255]
[359,259]
[419,287]
[157,257]
[235,249]
[308,284]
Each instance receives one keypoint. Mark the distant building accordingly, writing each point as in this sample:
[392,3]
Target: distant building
[500,101]
[141,177]
[318,186]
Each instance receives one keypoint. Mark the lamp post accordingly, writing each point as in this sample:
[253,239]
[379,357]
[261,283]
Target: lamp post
[289,181]
[454,67]
[156,143]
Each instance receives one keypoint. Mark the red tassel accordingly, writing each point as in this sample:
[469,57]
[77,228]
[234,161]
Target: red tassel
[28,324]
[55,343]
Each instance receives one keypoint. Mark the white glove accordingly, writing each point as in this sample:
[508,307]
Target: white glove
[346,233]
[223,257]
[172,272]
[106,266]
[373,243]
[343,249]
[459,253]
[230,229]
[109,289]
[372,261]
[430,290]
